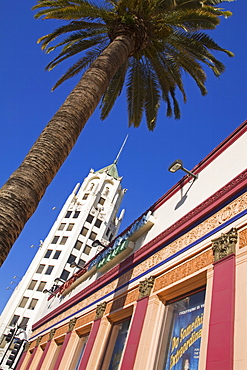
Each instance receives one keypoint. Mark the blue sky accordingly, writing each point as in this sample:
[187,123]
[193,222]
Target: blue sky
[27,105]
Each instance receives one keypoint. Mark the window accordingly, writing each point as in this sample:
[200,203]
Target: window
[108,232]
[106,192]
[32,284]
[70,227]
[89,219]
[182,332]
[23,302]
[61,226]
[101,201]
[63,240]
[55,239]
[84,231]
[91,186]
[49,270]
[56,255]
[33,303]
[14,320]
[41,286]
[48,253]
[92,236]
[81,262]
[87,250]
[85,196]
[78,245]
[98,223]
[71,259]
[64,275]
[114,351]
[24,322]
[68,214]
[76,214]
[40,269]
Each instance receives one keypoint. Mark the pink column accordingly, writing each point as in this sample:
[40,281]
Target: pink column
[89,345]
[221,324]
[134,334]
[62,350]
[43,355]
[21,360]
[31,358]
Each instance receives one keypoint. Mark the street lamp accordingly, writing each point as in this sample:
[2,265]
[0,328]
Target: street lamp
[178,165]
[97,243]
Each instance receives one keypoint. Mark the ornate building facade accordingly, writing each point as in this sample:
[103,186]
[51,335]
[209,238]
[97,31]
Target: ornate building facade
[169,292]
[87,222]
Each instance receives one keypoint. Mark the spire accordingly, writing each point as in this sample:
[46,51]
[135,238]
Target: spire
[121,149]
[112,168]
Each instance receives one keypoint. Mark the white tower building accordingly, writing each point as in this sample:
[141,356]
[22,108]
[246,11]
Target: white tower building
[89,214]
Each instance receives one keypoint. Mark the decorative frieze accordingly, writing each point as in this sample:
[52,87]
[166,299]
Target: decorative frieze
[184,270]
[243,238]
[145,287]
[100,309]
[225,244]
[27,345]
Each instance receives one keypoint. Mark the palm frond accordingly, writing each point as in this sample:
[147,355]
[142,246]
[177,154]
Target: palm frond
[152,99]
[136,92]
[113,91]
[80,65]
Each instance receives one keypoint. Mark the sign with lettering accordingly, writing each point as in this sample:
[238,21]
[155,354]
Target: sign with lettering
[109,257]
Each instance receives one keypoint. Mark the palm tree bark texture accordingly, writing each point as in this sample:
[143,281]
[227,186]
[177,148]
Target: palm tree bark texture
[149,43]
[21,194]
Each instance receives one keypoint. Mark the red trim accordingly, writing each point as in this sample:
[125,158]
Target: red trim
[62,350]
[204,163]
[134,334]
[43,355]
[208,206]
[31,359]
[21,360]
[89,345]
[221,324]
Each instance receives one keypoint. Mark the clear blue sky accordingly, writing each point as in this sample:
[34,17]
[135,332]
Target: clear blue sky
[27,105]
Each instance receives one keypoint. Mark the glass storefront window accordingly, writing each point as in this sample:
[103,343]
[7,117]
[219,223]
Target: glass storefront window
[116,344]
[183,331]
[83,342]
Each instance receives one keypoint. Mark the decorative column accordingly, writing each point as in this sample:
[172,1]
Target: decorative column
[65,343]
[34,353]
[23,356]
[129,356]
[92,336]
[51,335]
[221,323]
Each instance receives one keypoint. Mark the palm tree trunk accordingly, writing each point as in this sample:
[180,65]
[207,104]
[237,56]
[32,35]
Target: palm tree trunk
[20,195]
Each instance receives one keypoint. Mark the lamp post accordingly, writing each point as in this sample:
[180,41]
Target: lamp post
[178,165]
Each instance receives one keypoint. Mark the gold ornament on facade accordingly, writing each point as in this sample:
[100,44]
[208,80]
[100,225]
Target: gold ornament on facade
[52,333]
[38,340]
[100,309]
[145,287]
[225,244]
[72,324]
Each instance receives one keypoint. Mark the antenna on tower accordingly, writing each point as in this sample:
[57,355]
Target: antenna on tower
[120,151]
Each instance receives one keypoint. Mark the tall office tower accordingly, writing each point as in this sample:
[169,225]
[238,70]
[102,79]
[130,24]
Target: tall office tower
[89,214]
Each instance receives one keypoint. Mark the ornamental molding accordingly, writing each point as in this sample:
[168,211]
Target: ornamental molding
[96,290]
[145,287]
[243,238]
[225,244]
[27,345]
[184,270]
[72,323]
[100,310]
[38,340]
[51,334]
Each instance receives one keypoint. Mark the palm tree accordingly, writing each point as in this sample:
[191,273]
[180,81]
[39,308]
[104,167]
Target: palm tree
[146,42]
